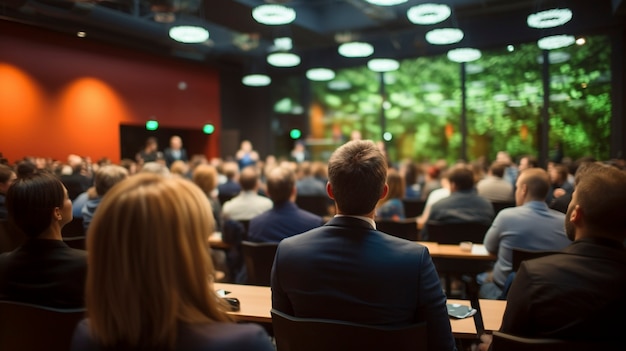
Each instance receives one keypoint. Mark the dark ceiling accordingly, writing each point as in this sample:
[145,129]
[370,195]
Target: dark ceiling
[237,40]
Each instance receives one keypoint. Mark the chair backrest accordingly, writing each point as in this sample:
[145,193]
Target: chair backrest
[76,242]
[413,207]
[454,233]
[258,258]
[508,342]
[10,236]
[404,228]
[499,206]
[305,334]
[73,228]
[317,204]
[28,327]
[519,255]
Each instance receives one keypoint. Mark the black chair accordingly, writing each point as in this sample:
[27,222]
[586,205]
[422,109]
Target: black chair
[28,327]
[258,258]
[73,228]
[413,207]
[508,342]
[308,334]
[500,205]
[10,236]
[454,233]
[222,198]
[76,242]
[404,228]
[317,204]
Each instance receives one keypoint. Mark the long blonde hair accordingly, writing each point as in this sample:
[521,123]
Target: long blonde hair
[148,266]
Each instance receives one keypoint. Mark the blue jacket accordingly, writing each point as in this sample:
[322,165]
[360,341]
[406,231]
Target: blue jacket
[280,222]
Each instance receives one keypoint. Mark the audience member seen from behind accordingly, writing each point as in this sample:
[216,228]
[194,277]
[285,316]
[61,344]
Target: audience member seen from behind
[44,270]
[493,187]
[106,177]
[175,152]
[160,223]
[391,206]
[248,203]
[531,226]
[205,177]
[347,270]
[576,294]
[7,177]
[285,219]
[231,187]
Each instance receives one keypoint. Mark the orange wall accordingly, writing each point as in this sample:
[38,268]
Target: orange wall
[61,94]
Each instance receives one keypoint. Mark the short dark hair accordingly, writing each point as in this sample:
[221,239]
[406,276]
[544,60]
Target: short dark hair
[497,169]
[462,177]
[31,200]
[249,178]
[357,172]
[5,173]
[601,194]
[280,184]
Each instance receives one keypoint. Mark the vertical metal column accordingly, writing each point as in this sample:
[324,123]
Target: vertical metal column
[545,115]
[463,122]
[383,117]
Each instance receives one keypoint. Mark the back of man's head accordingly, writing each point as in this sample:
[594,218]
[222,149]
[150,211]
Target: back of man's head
[107,176]
[249,178]
[462,177]
[600,194]
[230,169]
[497,169]
[280,184]
[537,183]
[357,172]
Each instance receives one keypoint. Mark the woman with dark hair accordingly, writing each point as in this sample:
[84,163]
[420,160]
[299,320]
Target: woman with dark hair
[43,270]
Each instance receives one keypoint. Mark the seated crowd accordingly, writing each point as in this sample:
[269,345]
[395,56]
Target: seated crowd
[158,212]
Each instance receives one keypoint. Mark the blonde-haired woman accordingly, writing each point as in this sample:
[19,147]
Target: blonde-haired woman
[149,281]
[206,177]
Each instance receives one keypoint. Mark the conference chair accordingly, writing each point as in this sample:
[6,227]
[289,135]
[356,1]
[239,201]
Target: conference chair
[73,228]
[233,234]
[500,205]
[317,204]
[403,228]
[312,334]
[508,342]
[27,327]
[258,258]
[413,207]
[454,233]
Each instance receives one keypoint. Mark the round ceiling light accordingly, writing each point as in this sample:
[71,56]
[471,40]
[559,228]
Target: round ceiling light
[320,74]
[549,18]
[355,49]
[383,65]
[386,2]
[273,14]
[256,80]
[556,42]
[428,13]
[444,36]
[189,34]
[283,59]
[464,55]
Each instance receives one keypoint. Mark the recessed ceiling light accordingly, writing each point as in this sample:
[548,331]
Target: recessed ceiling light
[339,85]
[256,80]
[464,55]
[556,42]
[444,36]
[428,13]
[356,49]
[320,74]
[555,57]
[283,59]
[549,18]
[581,41]
[386,2]
[81,34]
[273,14]
[383,65]
[189,34]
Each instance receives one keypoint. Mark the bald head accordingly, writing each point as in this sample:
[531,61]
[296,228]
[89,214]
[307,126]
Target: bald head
[532,184]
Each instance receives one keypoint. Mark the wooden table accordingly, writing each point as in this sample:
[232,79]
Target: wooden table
[256,303]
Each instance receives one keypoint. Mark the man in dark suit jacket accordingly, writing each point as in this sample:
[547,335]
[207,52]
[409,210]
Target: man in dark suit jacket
[576,294]
[175,152]
[347,270]
[285,219]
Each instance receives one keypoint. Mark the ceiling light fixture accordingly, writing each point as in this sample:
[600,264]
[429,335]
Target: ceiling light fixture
[444,36]
[283,59]
[428,13]
[189,34]
[273,14]
[464,55]
[320,74]
[386,2]
[549,18]
[256,80]
[356,49]
[556,42]
[383,65]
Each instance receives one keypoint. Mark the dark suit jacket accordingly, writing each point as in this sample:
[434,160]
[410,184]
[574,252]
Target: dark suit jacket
[576,294]
[44,272]
[461,207]
[346,270]
[280,222]
[168,155]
